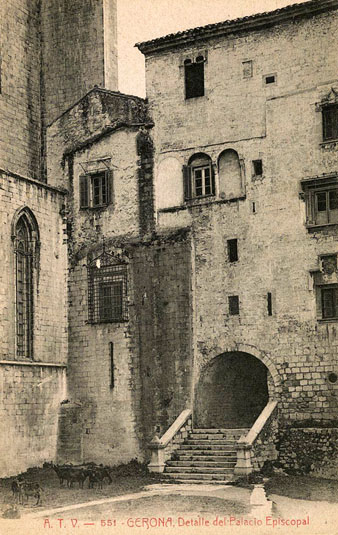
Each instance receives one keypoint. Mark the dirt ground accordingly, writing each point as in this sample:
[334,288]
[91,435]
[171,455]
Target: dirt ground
[128,478]
[133,477]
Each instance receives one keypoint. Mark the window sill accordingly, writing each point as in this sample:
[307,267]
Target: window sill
[329,143]
[205,201]
[93,208]
[319,227]
[327,320]
[105,322]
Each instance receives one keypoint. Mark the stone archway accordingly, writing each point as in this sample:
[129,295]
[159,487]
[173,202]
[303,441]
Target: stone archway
[231,392]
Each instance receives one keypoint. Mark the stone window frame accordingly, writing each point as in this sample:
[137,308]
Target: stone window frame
[311,187]
[326,279]
[329,101]
[247,69]
[107,271]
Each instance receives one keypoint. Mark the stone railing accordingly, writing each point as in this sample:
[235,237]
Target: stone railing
[258,445]
[162,448]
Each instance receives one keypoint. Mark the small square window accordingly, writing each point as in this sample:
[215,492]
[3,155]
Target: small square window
[270,79]
[257,168]
[233,250]
[233,305]
[247,69]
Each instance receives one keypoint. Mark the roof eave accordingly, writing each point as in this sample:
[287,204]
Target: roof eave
[254,22]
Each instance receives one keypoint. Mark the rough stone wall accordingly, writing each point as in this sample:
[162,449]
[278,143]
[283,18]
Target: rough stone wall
[32,391]
[77,51]
[280,125]
[96,115]
[310,451]
[162,276]
[20,87]
[109,417]
[29,406]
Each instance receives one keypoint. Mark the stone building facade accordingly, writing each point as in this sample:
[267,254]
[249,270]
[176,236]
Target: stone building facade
[178,252]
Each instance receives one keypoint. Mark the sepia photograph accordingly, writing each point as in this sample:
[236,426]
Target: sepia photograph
[169,267]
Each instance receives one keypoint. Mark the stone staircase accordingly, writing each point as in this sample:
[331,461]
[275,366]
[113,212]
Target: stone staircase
[206,455]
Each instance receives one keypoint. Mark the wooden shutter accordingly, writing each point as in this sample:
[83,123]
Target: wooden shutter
[109,185]
[84,191]
[187,182]
[212,177]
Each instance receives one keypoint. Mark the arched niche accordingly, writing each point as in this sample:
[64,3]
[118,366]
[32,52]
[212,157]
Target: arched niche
[230,175]
[169,183]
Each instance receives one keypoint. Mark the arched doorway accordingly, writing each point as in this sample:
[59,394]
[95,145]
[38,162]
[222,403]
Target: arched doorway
[231,392]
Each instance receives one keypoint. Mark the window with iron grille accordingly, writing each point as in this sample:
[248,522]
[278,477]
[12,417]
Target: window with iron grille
[24,288]
[330,122]
[96,189]
[107,290]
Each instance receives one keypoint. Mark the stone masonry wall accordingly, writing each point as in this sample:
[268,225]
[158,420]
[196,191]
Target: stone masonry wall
[32,390]
[280,125]
[77,51]
[109,416]
[20,87]
[163,311]
[310,451]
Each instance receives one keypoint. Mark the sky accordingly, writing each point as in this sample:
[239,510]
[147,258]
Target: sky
[141,20]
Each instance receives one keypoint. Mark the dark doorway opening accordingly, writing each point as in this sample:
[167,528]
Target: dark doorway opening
[231,392]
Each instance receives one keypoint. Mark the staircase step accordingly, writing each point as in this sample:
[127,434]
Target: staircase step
[221,430]
[199,469]
[227,452]
[204,464]
[184,476]
[215,458]
[214,441]
[208,447]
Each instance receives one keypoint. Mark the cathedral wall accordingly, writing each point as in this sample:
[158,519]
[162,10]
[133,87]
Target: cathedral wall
[33,385]
[20,87]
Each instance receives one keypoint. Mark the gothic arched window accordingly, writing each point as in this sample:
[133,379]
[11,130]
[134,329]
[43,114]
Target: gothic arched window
[25,236]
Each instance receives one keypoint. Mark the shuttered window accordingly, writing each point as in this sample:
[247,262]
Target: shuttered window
[198,181]
[330,122]
[96,189]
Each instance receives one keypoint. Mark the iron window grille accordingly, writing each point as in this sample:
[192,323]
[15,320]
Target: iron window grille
[96,189]
[107,290]
[24,288]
